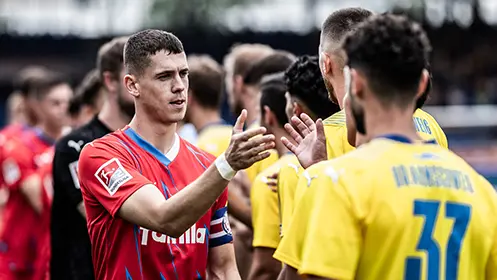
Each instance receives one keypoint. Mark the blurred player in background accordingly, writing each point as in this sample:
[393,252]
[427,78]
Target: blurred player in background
[20,161]
[440,226]
[156,198]
[306,94]
[15,109]
[88,99]
[236,64]
[204,102]
[331,57]
[264,199]
[70,243]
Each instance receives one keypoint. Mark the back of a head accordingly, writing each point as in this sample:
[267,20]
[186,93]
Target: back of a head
[340,23]
[206,80]
[44,85]
[241,57]
[305,82]
[277,62]
[26,80]
[90,88]
[110,57]
[144,44]
[273,91]
[391,51]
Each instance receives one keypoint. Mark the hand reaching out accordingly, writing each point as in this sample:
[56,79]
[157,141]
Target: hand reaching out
[310,147]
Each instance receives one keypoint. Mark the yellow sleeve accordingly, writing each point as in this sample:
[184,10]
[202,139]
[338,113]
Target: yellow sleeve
[259,166]
[491,269]
[265,214]
[325,212]
[287,183]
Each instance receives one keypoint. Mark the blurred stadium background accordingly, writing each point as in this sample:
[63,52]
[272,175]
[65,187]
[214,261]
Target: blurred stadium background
[65,35]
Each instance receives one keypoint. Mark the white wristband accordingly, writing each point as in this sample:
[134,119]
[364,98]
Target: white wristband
[224,167]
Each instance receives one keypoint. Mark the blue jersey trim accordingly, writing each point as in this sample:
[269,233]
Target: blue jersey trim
[403,139]
[219,213]
[147,146]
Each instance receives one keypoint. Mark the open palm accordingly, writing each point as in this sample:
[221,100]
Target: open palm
[309,139]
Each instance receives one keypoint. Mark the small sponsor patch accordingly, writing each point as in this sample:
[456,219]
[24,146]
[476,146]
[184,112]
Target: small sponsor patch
[112,175]
[73,169]
[11,171]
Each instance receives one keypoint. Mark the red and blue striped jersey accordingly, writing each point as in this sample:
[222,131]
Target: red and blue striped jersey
[111,169]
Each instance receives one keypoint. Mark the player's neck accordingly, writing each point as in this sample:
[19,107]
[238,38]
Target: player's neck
[158,134]
[112,117]
[392,121]
[202,118]
[251,105]
[52,132]
[279,146]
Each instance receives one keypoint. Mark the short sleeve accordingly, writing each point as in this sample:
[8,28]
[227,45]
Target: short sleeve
[220,230]
[260,166]
[287,183]
[109,175]
[265,214]
[65,173]
[327,213]
[17,165]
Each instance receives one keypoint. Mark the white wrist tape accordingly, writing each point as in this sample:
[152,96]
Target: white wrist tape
[224,167]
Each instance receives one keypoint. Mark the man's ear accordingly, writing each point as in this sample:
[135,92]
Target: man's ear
[237,84]
[268,116]
[110,82]
[297,109]
[131,85]
[423,83]
[327,64]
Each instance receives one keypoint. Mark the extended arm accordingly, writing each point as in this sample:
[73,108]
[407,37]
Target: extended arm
[222,264]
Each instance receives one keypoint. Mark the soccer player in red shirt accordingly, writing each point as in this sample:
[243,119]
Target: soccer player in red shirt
[156,205]
[21,159]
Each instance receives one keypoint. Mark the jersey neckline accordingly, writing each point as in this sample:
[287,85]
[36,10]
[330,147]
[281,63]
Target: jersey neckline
[403,139]
[166,158]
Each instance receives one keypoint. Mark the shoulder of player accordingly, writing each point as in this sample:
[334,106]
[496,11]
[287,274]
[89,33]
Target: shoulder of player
[337,119]
[74,141]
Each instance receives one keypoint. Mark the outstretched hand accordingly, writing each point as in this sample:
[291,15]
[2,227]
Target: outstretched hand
[309,139]
[245,149]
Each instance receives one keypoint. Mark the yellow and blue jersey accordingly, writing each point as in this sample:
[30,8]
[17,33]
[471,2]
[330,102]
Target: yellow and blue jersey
[393,210]
[259,166]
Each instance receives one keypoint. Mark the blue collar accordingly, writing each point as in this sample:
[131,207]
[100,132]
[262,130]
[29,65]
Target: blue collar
[44,137]
[404,139]
[142,143]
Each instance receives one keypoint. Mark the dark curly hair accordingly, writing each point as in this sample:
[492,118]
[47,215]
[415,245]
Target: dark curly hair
[392,52]
[273,91]
[305,82]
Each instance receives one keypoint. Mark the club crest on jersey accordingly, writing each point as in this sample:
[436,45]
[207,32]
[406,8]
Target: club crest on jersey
[112,175]
[226,224]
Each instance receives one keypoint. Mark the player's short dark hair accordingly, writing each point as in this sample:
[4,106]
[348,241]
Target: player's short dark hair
[273,91]
[206,80]
[27,79]
[392,52]
[90,88]
[277,62]
[146,43]
[304,81]
[44,85]
[338,24]
[75,106]
[110,57]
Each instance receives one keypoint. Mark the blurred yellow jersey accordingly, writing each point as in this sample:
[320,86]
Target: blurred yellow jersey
[265,210]
[287,182]
[428,128]
[394,210]
[259,166]
[215,138]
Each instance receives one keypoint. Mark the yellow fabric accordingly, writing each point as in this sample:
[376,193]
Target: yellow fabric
[215,139]
[363,216]
[287,182]
[259,166]
[428,128]
[265,208]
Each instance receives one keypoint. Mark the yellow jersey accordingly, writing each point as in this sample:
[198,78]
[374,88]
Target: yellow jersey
[215,138]
[286,185]
[265,211]
[394,210]
[337,145]
[259,166]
